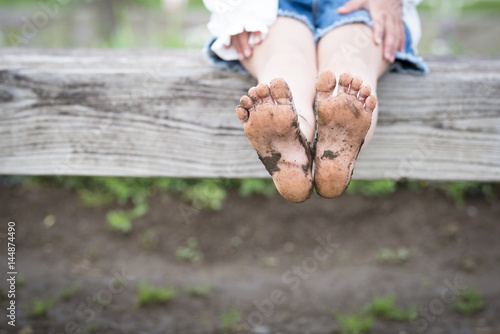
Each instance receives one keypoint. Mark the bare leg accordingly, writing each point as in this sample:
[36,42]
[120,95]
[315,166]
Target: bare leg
[350,49]
[279,126]
[289,52]
[347,119]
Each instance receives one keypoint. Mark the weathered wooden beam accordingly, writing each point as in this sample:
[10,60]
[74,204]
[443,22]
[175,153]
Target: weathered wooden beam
[169,113]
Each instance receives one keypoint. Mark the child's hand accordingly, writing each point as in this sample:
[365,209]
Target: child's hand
[387,23]
[240,43]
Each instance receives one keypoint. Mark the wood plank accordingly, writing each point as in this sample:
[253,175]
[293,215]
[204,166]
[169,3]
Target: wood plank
[169,113]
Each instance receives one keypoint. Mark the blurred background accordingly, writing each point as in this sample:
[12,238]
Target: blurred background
[449,26]
[162,255]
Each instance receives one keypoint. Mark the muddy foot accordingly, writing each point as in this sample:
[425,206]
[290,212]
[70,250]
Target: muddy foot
[343,122]
[272,126]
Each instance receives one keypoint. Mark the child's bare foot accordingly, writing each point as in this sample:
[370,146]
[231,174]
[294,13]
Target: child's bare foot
[343,122]
[272,126]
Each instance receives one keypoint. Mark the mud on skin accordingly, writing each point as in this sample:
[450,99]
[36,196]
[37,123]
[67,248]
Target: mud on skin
[342,123]
[328,155]
[271,163]
[272,126]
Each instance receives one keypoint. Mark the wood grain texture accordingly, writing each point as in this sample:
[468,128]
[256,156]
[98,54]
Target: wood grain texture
[169,113]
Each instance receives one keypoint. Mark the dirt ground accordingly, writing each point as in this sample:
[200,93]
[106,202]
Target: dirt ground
[286,267]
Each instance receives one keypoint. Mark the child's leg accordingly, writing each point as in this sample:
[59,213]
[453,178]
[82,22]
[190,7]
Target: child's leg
[366,62]
[348,119]
[289,52]
[276,125]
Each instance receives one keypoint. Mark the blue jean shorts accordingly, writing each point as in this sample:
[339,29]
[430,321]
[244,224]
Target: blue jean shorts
[321,17]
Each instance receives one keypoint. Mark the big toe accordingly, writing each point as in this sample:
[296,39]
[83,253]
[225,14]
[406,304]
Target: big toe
[325,84]
[280,91]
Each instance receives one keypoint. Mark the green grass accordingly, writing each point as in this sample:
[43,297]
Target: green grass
[21,281]
[384,308]
[248,187]
[95,199]
[155,3]
[117,283]
[190,253]
[469,302]
[39,307]
[230,320]
[354,324]
[461,7]
[236,242]
[268,262]
[150,238]
[207,193]
[199,194]
[458,191]
[201,291]
[211,194]
[70,291]
[426,283]
[92,327]
[94,255]
[149,295]
[372,188]
[390,256]
[121,220]
[378,307]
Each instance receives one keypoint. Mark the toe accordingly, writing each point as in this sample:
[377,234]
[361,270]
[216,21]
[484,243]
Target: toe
[371,103]
[246,102]
[280,91]
[242,114]
[252,93]
[325,84]
[344,82]
[264,93]
[355,85]
[364,92]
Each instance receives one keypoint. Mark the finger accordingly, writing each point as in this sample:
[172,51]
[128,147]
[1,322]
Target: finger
[235,41]
[245,46]
[351,6]
[257,37]
[402,44]
[390,41]
[398,37]
[378,30]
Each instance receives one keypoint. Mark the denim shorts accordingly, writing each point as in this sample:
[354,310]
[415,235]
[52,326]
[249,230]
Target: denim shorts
[321,16]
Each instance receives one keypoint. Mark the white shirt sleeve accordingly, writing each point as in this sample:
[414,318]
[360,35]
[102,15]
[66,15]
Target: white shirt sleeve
[412,20]
[231,17]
